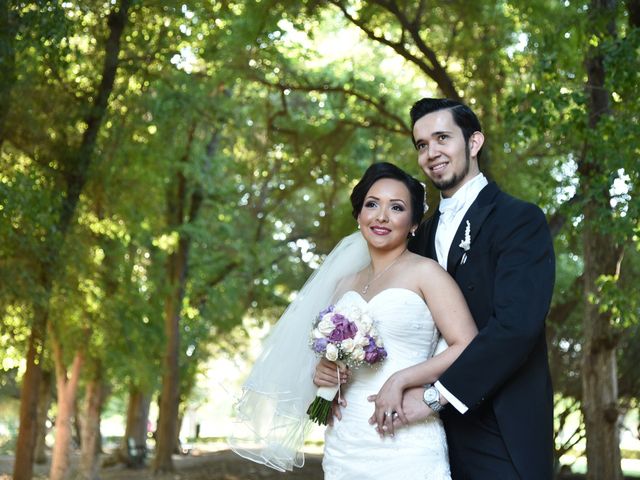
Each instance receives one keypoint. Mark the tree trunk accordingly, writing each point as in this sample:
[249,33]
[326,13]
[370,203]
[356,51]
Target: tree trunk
[177,444]
[137,420]
[180,210]
[599,368]
[44,403]
[77,424]
[169,398]
[633,9]
[67,388]
[599,375]
[90,431]
[8,28]
[23,465]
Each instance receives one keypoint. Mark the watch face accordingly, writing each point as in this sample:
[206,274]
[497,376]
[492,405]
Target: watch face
[431,394]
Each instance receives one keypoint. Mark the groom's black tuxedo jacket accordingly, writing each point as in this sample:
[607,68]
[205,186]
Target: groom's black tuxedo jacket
[507,279]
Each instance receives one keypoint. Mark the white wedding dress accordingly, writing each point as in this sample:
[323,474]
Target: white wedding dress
[353,449]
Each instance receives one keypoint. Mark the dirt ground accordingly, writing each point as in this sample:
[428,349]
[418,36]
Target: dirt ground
[208,465]
[220,465]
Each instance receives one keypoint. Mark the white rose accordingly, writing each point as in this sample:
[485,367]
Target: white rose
[361,340]
[332,352]
[316,333]
[347,345]
[349,311]
[366,322]
[325,327]
[327,316]
[358,354]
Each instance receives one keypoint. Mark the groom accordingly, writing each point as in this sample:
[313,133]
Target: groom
[496,399]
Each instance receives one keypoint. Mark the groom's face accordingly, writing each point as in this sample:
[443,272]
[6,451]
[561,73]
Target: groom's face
[443,153]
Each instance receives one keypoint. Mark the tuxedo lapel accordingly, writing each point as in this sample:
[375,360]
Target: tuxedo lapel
[476,215]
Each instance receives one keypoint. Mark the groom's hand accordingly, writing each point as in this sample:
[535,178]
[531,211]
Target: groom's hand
[326,374]
[413,405]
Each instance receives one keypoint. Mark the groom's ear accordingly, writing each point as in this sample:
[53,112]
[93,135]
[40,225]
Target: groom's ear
[476,140]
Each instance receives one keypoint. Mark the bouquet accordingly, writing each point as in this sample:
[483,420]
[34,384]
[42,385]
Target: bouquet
[348,337]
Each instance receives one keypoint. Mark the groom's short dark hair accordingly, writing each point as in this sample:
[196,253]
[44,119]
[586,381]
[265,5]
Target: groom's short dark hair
[380,170]
[462,115]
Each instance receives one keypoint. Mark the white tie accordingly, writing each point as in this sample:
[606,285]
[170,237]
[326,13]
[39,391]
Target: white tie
[448,208]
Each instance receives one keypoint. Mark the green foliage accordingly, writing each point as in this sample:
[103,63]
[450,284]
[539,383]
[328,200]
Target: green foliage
[269,111]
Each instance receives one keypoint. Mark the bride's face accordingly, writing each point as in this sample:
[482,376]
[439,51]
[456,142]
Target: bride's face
[385,218]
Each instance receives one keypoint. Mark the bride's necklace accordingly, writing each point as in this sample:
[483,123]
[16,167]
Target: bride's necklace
[365,289]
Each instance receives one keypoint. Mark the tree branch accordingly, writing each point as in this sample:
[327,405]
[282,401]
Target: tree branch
[378,105]
[434,70]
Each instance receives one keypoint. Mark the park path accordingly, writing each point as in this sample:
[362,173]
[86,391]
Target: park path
[220,465]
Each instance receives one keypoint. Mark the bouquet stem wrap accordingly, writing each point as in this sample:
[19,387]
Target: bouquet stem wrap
[320,408]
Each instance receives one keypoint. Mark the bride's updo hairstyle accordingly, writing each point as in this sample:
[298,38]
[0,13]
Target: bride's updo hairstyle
[380,170]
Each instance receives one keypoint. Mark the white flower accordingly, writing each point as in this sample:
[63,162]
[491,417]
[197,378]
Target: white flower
[352,312]
[347,345]
[358,354]
[466,243]
[332,352]
[365,323]
[361,340]
[374,333]
[315,333]
[327,316]
[325,327]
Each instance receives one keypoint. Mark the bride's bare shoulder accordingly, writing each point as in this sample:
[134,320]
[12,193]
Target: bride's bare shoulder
[423,263]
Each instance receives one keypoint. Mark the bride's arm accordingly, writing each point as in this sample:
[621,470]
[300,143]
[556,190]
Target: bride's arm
[452,318]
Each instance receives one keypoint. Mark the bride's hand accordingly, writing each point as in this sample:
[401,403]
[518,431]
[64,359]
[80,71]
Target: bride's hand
[326,374]
[388,406]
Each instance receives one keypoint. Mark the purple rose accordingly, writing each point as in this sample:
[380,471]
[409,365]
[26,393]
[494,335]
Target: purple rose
[329,309]
[343,328]
[373,353]
[320,345]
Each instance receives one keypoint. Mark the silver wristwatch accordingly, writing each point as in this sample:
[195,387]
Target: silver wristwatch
[431,397]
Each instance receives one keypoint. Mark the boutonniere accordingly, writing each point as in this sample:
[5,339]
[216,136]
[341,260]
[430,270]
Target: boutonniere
[465,244]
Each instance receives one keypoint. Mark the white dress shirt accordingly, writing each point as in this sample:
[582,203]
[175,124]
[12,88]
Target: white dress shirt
[452,211]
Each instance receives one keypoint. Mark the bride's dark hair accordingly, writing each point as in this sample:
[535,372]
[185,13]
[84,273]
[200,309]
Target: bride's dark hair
[380,170]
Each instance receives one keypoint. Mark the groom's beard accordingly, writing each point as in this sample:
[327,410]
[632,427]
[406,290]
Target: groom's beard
[457,177]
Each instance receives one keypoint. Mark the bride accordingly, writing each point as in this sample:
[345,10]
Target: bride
[411,299]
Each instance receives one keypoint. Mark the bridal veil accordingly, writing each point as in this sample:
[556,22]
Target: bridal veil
[271,414]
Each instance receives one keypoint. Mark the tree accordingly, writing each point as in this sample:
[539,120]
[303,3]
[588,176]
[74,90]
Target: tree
[593,222]
[73,178]
[603,258]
